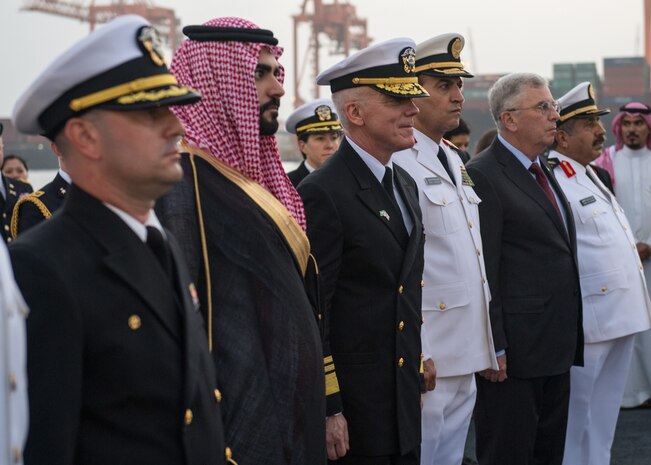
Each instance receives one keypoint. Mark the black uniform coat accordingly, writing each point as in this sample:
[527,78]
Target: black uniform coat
[371,276]
[266,342]
[298,174]
[51,196]
[530,259]
[14,190]
[118,366]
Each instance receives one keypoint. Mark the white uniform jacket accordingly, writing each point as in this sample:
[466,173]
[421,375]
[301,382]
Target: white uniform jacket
[13,388]
[456,333]
[615,298]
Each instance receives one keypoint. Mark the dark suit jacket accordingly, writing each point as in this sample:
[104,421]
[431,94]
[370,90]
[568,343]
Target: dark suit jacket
[51,196]
[371,281]
[298,174]
[118,366]
[14,190]
[530,260]
[604,176]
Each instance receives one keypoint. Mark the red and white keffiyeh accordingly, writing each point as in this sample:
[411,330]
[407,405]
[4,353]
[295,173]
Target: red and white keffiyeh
[226,122]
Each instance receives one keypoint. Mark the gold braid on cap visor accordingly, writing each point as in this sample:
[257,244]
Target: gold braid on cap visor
[589,108]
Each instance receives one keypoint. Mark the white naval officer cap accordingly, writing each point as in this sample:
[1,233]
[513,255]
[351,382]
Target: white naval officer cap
[579,102]
[119,66]
[441,56]
[314,117]
[388,67]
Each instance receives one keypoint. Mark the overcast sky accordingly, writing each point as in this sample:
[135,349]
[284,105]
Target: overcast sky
[501,35]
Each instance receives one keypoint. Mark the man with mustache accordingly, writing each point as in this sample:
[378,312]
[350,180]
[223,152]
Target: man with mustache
[457,337]
[241,224]
[629,163]
[364,224]
[616,305]
[528,238]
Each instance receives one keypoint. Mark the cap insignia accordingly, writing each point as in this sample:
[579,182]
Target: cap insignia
[456,48]
[323,112]
[408,57]
[150,41]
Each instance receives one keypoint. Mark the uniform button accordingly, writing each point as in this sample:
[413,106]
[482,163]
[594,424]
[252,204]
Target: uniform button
[4,215]
[13,382]
[401,289]
[445,202]
[470,224]
[188,417]
[625,228]
[17,454]
[9,240]
[604,289]
[401,362]
[442,306]
[422,283]
[595,212]
[401,325]
[218,395]
[319,316]
[6,227]
[134,322]
[641,267]
[478,252]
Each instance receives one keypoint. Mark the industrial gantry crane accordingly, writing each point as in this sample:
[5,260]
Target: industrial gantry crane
[164,19]
[339,23]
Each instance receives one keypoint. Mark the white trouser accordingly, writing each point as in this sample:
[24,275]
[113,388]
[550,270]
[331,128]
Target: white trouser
[595,396]
[445,420]
[638,381]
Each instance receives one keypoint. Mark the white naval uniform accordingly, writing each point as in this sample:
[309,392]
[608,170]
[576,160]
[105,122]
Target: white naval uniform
[632,169]
[616,305]
[456,332]
[13,390]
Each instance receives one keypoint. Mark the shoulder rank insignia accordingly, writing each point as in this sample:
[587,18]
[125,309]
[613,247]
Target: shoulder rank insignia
[449,144]
[567,168]
[465,177]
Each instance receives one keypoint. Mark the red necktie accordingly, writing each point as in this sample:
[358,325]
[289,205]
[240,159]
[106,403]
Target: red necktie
[541,179]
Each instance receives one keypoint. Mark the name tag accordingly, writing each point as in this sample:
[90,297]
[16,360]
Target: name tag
[432,181]
[588,200]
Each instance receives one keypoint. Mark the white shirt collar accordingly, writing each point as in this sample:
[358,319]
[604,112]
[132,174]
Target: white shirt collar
[135,225]
[308,167]
[65,176]
[369,160]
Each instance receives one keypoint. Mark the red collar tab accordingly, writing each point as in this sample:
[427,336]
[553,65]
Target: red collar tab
[567,168]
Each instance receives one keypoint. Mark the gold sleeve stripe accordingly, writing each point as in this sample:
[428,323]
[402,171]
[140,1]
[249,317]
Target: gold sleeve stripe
[331,384]
[328,359]
[330,369]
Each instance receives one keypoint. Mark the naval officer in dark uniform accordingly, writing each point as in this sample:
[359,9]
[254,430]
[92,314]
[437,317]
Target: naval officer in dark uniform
[10,192]
[318,133]
[118,365]
[365,228]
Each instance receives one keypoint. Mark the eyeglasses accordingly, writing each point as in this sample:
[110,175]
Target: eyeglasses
[543,107]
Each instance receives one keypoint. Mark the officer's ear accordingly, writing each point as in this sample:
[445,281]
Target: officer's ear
[562,138]
[82,133]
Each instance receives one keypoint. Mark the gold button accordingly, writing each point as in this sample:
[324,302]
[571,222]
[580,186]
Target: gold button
[134,322]
[6,228]
[442,306]
[401,362]
[470,224]
[4,215]
[13,382]
[188,417]
[445,202]
[218,395]
[17,454]
[478,252]
[603,289]
[8,240]
[401,325]
[401,289]
[595,212]
[319,316]
[422,283]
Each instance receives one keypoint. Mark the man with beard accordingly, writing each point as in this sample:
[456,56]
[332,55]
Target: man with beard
[615,300]
[629,163]
[529,250]
[241,224]
[456,334]
[365,226]
[318,132]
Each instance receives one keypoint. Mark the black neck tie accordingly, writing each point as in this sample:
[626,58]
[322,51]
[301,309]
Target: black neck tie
[387,182]
[444,161]
[160,249]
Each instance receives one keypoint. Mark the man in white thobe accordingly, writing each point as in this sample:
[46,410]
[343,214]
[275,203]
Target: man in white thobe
[629,163]
[616,304]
